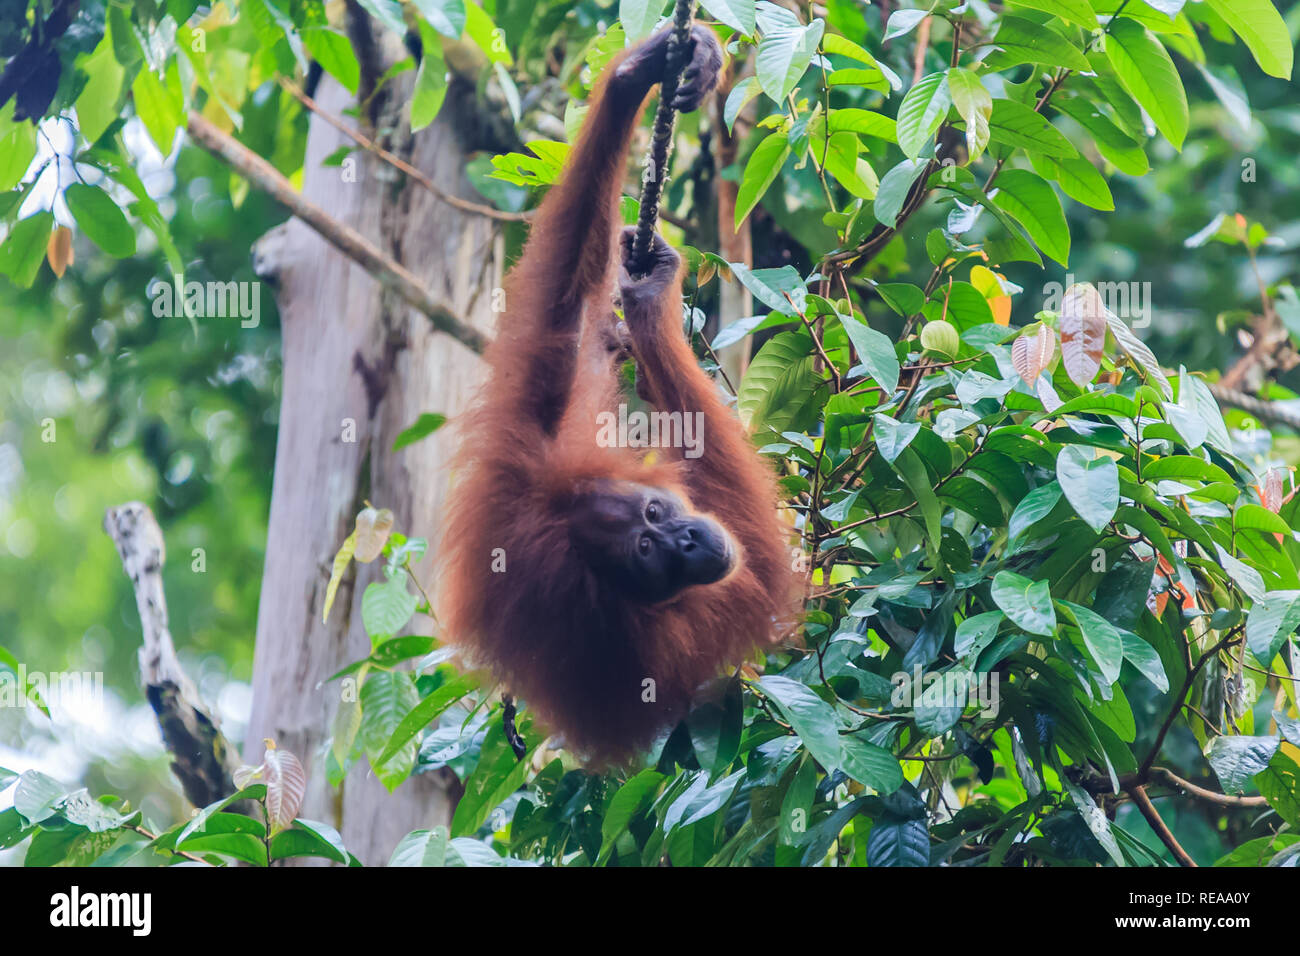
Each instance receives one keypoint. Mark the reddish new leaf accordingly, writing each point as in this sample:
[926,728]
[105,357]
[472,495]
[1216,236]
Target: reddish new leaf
[1083,332]
[1032,352]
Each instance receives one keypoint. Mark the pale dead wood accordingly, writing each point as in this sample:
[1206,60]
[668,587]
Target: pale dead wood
[201,757]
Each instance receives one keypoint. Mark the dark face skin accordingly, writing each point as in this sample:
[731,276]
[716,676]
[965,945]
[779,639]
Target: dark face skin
[646,542]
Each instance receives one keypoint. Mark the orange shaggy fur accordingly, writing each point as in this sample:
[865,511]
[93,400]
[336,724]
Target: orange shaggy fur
[546,627]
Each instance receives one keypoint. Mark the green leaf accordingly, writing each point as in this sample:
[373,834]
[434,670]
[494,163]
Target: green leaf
[425,425]
[422,714]
[639,17]
[781,387]
[1022,41]
[1237,759]
[446,16]
[1076,11]
[893,436]
[1114,144]
[792,819]
[1078,179]
[98,105]
[1265,32]
[781,289]
[1033,507]
[864,123]
[1091,485]
[875,351]
[430,82]
[760,172]
[17,148]
[1146,659]
[100,219]
[1148,74]
[839,154]
[903,22]
[309,838]
[1016,125]
[903,297]
[1103,641]
[37,795]
[630,800]
[737,14]
[911,469]
[976,633]
[23,250]
[1270,622]
[744,91]
[386,606]
[1229,92]
[1034,204]
[921,114]
[975,105]
[245,847]
[1028,603]
[386,698]
[811,717]
[870,765]
[1183,467]
[333,51]
[159,110]
[892,192]
[783,55]
[497,775]
[1095,819]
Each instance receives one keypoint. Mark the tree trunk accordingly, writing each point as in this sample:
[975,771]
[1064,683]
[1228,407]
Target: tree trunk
[359,366]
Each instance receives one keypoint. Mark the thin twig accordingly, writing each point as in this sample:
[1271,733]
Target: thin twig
[397,162]
[1200,793]
[382,267]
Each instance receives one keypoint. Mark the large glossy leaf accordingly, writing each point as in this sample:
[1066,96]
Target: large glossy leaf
[811,717]
[1237,759]
[1147,72]
[737,14]
[780,389]
[100,219]
[1270,622]
[386,698]
[1091,485]
[974,105]
[875,351]
[1028,603]
[1103,641]
[760,172]
[639,16]
[1075,11]
[894,188]
[1018,126]
[1022,41]
[1078,179]
[1034,204]
[1262,27]
[922,113]
[783,56]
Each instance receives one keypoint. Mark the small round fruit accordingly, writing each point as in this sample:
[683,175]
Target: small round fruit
[940,337]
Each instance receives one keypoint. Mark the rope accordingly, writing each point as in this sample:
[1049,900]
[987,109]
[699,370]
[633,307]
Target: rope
[661,142]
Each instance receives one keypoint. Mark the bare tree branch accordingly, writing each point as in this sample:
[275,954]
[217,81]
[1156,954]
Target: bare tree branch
[1144,804]
[387,272]
[202,758]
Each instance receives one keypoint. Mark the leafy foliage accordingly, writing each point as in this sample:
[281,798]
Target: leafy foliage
[1040,562]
